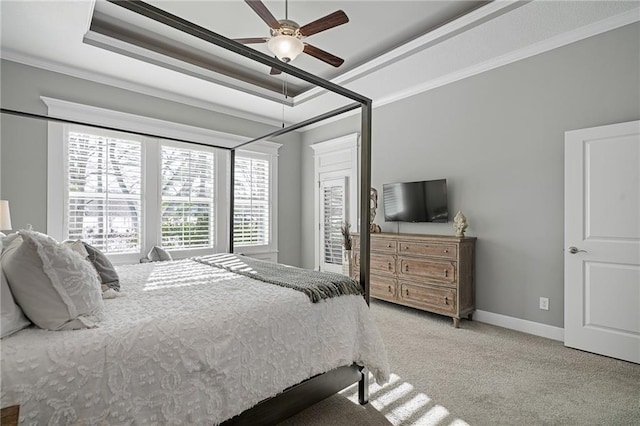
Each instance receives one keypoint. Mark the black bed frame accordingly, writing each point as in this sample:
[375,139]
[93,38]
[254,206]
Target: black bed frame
[315,389]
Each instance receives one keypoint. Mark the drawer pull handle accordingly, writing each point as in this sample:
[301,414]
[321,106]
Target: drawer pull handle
[446,250]
[406,247]
[407,292]
[389,265]
[446,273]
[389,245]
[446,300]
[406,268]
[389,289]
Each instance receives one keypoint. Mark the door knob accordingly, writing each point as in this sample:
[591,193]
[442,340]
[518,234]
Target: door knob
[574,250]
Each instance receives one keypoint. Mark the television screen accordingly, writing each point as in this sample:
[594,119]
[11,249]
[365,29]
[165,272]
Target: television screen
[424,201]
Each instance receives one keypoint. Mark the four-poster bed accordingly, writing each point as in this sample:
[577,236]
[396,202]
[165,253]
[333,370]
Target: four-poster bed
[297,397]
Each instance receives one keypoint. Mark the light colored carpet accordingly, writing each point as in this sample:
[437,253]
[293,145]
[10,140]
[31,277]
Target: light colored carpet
[482,375]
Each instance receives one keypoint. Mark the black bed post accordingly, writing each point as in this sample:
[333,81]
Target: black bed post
[232,177]
[365,197]
[365,208]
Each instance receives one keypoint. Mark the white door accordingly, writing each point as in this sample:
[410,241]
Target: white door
[602,240]
[332,215]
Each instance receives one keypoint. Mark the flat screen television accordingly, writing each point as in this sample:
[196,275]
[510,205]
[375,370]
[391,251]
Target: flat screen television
[424,201]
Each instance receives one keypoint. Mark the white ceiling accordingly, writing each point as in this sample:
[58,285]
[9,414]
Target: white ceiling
[392,49]
[358,42]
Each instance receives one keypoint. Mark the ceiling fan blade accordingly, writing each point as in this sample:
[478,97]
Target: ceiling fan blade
[251,40]
[332,20]
[275,71]
[322,55]
[262,11]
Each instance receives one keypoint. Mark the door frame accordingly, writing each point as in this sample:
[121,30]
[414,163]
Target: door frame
[336,158]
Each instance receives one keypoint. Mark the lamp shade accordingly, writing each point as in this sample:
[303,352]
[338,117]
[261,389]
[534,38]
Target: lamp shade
[5,216]
[285,47]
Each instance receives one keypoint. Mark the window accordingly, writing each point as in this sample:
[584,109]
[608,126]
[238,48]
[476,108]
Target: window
[104,191]
[251,208]
[126,193]
[187,198]
[333,214]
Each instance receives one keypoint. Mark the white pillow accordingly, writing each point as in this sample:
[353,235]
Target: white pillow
[12,318]
[55,287]
[158,254]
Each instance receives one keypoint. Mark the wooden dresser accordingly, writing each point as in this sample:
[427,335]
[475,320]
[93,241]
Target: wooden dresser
[430,272]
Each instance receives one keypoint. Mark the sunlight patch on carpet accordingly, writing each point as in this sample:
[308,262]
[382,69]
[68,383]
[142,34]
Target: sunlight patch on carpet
[402,404]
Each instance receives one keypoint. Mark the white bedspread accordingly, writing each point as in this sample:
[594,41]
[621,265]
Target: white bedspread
[186,345]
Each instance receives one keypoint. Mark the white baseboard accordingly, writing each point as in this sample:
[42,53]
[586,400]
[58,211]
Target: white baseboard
[525,326]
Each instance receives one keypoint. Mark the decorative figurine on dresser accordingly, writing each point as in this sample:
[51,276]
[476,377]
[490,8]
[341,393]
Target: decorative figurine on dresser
[460,224]
[435,273]
[373,206]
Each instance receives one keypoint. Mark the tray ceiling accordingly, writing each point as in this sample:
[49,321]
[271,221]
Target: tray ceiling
[392,49]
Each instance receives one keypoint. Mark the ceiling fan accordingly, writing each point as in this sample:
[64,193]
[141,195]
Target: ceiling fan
[286,35]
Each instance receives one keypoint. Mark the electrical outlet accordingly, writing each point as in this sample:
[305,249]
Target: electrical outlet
[544,303]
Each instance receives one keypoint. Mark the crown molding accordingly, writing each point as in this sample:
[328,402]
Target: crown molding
[552,43]
[10,55]
[133,51]
[481,15]
[438,35]
[518,55]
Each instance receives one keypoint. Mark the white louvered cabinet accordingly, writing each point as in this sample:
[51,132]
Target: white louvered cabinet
[435,273]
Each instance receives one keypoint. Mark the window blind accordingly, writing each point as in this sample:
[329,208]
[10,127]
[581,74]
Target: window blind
[333,208]
[251,202]
[187,198]
[104,192]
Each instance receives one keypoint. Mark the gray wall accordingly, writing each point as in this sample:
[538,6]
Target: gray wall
[23,167]
[498,138]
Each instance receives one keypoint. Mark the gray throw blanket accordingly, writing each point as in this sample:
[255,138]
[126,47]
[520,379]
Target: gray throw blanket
[315,284]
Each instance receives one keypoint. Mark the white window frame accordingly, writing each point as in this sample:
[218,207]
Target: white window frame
[61,234]
[150,233]
[218,174]
[336,158]
[265,150]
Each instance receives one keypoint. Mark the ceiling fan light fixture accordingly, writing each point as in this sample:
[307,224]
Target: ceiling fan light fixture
[285,47]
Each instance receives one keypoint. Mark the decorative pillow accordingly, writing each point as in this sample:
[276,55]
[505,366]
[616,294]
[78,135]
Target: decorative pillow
[13,318]
[158,254]
[55,287]
[108,275]
[78,247]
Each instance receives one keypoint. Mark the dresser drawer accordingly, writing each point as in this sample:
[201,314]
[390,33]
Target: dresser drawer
[436,270]
[446,251]
[439,299]
[385,263]
[376,244]
[384,245]
[383,287]
[379,262]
